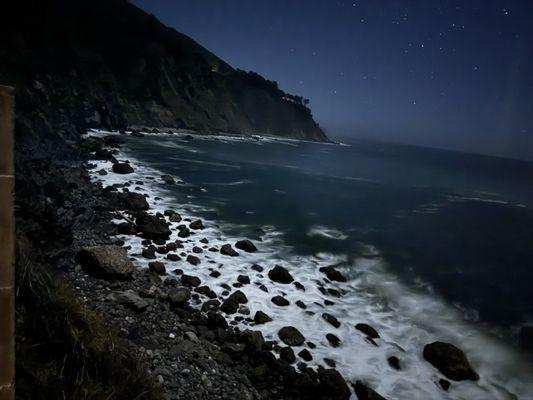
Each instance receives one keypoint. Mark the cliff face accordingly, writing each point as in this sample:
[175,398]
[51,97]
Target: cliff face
[106,63]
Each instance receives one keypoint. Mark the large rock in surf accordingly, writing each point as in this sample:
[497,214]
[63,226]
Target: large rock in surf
[246,245]
[333,384]
[450,361]
[151,226]
[122,168]
[333,274]
[280,275]
[291,336]
[231,304]
[363,392]
[107,261]
[134,201]
[261,318]
[227,250]
[331,320]
[367,330]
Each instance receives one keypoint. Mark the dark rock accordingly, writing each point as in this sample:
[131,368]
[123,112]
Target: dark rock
[173,257]
[206,291]
[299,286]
[333,274]
[394,362]
[333,384]
[331,320]
[106,261]
[197,250]
[363,392]
[198,224]
[193,260]
[179,297]
[287,354]
[157,267]
[444,384]
[330,363]
[450,361]
[216,320]
[243,279]
[188,280]
[149,253]
[184,233]
[261,318]
[152,227]
[231,304]
[280,301]
[132,300]
[291,336]
[280,275]
[168,179]
[367,330]
[257,267]
[301,304]
[125,228]
[333,340]
[122,168]
[134,201]
[227,250]
[214,274]
[305,355]
[246,245]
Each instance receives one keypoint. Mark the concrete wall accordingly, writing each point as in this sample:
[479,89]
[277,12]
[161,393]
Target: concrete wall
[7,224]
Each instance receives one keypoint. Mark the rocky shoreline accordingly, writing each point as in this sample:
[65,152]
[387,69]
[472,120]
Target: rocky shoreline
[178,323]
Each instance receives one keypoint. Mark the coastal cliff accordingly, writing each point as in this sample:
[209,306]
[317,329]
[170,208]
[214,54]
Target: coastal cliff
[108,64]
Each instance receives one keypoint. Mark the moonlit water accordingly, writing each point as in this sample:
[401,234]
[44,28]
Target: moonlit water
[422,234]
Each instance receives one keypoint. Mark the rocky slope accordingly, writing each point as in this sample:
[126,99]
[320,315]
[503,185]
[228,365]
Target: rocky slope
[106,63]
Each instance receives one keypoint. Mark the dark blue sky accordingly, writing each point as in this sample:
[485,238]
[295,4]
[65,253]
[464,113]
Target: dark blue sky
[451,74]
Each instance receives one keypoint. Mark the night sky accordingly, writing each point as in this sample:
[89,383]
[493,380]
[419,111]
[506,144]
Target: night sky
[450,74]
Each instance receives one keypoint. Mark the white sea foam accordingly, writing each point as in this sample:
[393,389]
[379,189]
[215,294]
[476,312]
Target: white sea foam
[326,232]
[405,319]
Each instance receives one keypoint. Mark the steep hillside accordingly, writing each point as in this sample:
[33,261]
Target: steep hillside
[106,63]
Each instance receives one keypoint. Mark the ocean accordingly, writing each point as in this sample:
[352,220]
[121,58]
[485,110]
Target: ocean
[437,245]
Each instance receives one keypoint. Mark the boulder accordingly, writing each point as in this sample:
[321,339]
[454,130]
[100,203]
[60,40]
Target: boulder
[122,168]
[367,330]
[193,260]
[227,250]
[206,291]
[125,228]
[333,340]
[291,336]
[280,275]
[363,392]
[450,361]
[168,179]
[333,384]
[179,297]
[198,224]
[231,304]
[280,301]
[305,355]
[287,354]
[257,267]
[149,253]
[243,279]
[261,318]
[173,257]
[333,274]
[394,362]
[331,320]
[132,300]
[107,261]
[189,280]
[132,201]
[157,267]
[152,227]
[246,245]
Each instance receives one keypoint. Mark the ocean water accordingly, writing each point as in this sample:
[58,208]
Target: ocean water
[437,245]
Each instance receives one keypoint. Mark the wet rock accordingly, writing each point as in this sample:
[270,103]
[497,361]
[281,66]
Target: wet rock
[157,267]
[206,291]
[173,257]
[189,280]
[149,253]
[134,201]
[305,355]
[162,250]
[243,279]
[263,288]
[301,304]
[280,275]
[246,245]
[214,274]
[261,318]
[330,363]
[333,340]
[394,362]
[122,168]
[171,246]
[125,228]
[257,267]
[198,224]
[280,301]
[152,227]
[367,330]
[107,261]
[291,336]
[444,384]
[231,304]
[363,392]
[331,320]
[450,361]
[227,250]
[132,300]
[193,260]
[197,250]
[299,286]
[333,384]
[287,354]
[184,232]
[333,274]
[168,179]
[179,297]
